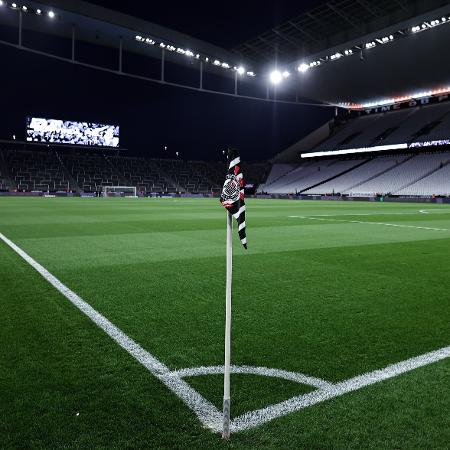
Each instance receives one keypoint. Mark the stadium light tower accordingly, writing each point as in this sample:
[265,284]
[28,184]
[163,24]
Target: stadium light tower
[276,77]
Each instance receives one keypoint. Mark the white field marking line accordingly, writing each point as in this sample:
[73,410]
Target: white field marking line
[258,417]
[207,413]
[372,223]
[250,370]
[423,211]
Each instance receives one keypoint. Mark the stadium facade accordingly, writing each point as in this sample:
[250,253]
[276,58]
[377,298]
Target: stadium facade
[391,130]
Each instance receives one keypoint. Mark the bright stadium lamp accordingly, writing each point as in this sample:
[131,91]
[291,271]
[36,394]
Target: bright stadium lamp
[51,14]
[286,74]
[13,5]
[276,77]
[38,12]
[24,8]
[1,3]
[241,70]
[303,67]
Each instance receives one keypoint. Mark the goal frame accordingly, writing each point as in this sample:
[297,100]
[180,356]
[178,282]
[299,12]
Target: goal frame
[107,189]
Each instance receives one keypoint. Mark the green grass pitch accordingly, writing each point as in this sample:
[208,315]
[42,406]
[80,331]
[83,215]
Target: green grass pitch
[327,289]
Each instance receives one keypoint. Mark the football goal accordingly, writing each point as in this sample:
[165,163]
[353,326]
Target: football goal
[119,191]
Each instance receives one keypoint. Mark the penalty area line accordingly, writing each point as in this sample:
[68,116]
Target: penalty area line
[370,223]
[206,412]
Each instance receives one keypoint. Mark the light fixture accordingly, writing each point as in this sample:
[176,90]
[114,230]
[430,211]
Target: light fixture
[38,12]
[251,74]
[286,74]
[1,3]
[13,5]
[276,77]
[51,14]
[240,70]
[24,8]
[303,67]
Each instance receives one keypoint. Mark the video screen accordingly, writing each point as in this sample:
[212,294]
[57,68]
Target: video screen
[48,131]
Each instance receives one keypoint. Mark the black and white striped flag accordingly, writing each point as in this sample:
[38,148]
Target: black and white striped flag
[232,197]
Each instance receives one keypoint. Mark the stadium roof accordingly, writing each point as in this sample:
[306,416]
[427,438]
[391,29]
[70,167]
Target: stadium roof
[334,23]
[102,26]
[359,52]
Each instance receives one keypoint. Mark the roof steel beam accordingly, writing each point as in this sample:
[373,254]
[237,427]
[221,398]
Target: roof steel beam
[340,13]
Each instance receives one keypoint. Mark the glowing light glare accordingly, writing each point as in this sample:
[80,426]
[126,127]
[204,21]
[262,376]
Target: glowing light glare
[13,5]
[378,148]
[276,77]
[38,12]
[303,67]
[51,14]
[240,70]
[24,8]
[286,74]
[251,74]
[1,3]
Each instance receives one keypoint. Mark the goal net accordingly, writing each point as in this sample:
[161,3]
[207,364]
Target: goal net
[119,191]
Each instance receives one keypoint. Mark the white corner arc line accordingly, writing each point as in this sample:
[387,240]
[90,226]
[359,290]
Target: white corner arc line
[207,413]
[250,370]
[258,417]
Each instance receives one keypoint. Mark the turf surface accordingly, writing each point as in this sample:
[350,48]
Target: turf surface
[317,292]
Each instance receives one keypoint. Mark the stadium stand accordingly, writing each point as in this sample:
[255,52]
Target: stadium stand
[437,183]
[310,174]
[48,170]
[346,182]
[429,122]
[404,174]
[36,171]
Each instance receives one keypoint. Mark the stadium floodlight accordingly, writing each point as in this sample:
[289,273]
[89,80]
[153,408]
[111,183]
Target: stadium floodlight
[303,67]
[13,5]
[251,74]
[216,62]
[286,74]
[276,77]
[189,53]
[38,12]
[51,14]
[1,3]
[240,70]
[24,8]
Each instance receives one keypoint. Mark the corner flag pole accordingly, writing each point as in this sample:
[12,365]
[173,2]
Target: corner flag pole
[226,378]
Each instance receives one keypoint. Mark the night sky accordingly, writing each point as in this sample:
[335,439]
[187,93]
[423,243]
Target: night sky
[151,116]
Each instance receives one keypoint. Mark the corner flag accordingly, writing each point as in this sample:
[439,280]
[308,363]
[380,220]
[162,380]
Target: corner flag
[232,197]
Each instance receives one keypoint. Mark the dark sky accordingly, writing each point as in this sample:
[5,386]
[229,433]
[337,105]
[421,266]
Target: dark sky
[152,116]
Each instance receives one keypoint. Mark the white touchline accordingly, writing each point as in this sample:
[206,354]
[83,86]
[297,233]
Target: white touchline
[370,223]
[207,413]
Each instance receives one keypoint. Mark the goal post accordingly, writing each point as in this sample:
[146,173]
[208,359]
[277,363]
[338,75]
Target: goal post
[119,191]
